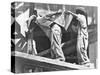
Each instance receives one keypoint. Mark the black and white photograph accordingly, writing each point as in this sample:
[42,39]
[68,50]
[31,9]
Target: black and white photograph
[49,37]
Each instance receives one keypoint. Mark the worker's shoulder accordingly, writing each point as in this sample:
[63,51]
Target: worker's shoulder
[81,16]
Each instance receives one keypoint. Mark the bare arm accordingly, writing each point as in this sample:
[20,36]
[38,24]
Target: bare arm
[69,12]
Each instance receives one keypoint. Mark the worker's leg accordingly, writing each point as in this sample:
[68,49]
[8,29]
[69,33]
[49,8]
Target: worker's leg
[34,47]
[56,42]
[82,45]
[31,45]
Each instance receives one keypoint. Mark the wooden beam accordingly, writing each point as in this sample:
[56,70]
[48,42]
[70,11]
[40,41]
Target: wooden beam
[44,52]
[43,62]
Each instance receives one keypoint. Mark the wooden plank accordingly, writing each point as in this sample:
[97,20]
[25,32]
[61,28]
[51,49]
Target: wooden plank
[51,64]
[44,52]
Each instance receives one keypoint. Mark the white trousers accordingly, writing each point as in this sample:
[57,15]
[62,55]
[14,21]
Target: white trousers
[82,45]
[56,41]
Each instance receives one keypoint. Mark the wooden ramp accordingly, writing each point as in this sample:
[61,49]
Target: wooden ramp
[24,62]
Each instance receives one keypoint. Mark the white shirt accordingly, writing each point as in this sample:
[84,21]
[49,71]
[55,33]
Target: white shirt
[82,30]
